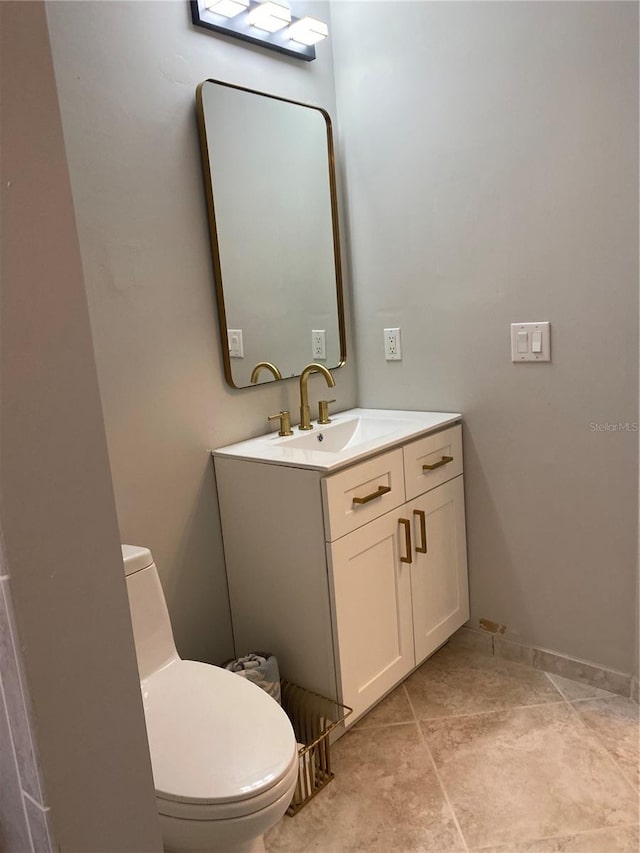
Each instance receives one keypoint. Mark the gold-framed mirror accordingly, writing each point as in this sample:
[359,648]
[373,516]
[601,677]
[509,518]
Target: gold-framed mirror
[271,194]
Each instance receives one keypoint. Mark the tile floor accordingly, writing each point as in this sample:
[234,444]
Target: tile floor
[477,753]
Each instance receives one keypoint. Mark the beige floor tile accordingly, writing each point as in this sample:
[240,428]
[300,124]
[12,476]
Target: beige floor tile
[572,690]
[619,840]
[527,773]
[615,722]
[394,709]
[472,639]
[459,681]
[385,798]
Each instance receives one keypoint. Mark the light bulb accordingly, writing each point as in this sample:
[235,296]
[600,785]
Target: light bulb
[308,31]
[270,16]
[227,8]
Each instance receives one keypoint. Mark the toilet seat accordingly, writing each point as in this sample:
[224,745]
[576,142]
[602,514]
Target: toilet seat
[220,746]
[227,811]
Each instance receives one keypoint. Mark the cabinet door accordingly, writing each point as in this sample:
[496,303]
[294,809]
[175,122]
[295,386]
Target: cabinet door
[439,582]
[373,623]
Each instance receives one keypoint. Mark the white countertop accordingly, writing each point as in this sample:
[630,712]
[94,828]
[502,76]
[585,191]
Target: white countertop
[351,436]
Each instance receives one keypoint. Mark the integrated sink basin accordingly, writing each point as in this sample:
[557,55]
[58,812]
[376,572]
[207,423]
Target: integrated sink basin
[351,435]
[340,435]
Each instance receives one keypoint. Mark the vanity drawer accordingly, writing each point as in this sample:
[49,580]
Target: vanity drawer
[361,493]
[442,451]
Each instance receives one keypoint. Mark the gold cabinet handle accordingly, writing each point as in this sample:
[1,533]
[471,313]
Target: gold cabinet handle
[379,492]
[444,461]
[422,548]
[408,558]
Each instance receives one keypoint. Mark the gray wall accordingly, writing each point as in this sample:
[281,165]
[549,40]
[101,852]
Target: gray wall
[126,76]
[491,160]
[60,549]
[25,817]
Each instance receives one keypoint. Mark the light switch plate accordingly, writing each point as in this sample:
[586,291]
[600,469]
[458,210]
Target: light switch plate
[236,346]
[531,341]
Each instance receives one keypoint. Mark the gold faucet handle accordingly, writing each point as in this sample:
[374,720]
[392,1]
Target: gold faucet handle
[285,423]
[323,411]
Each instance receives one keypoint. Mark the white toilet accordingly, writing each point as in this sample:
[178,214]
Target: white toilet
[223,753]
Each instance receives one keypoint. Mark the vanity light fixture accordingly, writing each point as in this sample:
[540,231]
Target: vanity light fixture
[270,16]
[308,31]
[227,8]
[268,23]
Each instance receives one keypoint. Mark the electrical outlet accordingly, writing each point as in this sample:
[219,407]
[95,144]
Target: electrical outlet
[318,343]
[392,347]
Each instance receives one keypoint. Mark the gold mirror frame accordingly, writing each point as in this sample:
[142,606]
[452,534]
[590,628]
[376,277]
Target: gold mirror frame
[213,231]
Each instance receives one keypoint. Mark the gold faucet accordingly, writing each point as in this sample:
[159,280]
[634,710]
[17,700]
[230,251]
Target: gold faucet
[285,422]
[266,365]
[305,418]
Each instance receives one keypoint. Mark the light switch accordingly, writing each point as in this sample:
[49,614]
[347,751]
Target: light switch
[531,341]
[236,346]
[523,341]
[536,341]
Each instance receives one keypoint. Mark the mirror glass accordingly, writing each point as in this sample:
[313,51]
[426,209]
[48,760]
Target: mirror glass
[270,181]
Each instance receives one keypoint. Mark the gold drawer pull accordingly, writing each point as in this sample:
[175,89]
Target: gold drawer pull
[380,491]
[444,461]
[408,558]
[422,549]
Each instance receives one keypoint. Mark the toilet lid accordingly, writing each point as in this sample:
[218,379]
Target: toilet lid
[213,736]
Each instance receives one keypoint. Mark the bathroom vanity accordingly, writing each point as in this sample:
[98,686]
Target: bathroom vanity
[345,548]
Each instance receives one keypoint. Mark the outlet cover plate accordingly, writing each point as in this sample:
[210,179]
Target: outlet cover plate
[318,344]
[392,345]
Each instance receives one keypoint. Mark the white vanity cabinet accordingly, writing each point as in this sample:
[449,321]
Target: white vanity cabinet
[352,578]
[399,581]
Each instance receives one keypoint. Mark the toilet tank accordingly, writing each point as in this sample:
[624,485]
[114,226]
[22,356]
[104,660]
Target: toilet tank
[152,633]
